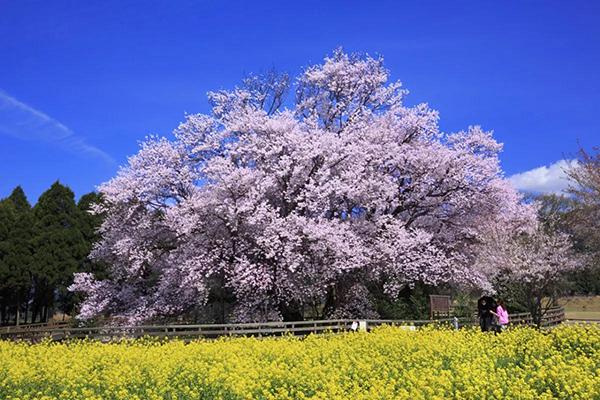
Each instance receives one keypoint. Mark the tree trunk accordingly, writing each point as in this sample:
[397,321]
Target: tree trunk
[330,302]
[291,312]
[34,313]
[223,297]
[536,312]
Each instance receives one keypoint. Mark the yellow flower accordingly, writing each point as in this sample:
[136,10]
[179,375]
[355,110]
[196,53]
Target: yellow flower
[388,363]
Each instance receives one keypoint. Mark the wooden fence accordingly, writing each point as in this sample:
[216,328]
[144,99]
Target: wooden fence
[551,318]
[33,327]
[105,333]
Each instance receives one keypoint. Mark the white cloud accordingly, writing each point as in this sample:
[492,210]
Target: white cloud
[19,120]
[544,179]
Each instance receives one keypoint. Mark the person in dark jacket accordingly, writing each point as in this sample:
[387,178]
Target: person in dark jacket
[485,306]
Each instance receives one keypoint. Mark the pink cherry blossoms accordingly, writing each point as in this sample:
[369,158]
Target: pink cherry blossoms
[286,208]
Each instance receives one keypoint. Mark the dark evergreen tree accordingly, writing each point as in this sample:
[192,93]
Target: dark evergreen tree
[19,257]
[41,248]
[7,219]
[59,248]
[89,224]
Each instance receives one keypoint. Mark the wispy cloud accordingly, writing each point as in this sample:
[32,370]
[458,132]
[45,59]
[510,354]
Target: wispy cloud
[544,179]
[24,122]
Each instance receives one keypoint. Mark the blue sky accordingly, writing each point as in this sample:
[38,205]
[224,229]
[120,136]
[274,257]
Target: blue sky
[82,82]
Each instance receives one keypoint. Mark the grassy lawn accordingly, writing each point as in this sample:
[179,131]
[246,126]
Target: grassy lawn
[581,307]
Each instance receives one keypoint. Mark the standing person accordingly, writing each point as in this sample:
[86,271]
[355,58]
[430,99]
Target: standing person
[484,307]
[502,314]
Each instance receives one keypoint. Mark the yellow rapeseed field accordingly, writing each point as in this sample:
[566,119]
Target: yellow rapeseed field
[388,363]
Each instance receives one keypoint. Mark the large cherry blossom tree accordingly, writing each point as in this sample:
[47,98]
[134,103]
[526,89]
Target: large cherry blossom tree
[290,204]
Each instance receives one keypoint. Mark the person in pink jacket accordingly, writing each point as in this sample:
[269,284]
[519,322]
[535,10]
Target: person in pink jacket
[502,315]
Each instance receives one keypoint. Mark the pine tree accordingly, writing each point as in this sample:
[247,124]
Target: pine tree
[59,248]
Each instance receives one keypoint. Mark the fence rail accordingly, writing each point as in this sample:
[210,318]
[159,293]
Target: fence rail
[34,327]
[572,321]
[105,333]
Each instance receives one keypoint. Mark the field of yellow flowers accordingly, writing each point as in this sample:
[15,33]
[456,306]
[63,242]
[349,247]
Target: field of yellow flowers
[388,363]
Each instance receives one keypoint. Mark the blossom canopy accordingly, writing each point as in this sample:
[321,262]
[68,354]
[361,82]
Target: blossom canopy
[311,204]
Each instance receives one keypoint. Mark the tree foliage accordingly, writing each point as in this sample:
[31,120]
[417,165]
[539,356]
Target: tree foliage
[529,269]
[583,218]
[59,245]
[576,213]
[306,207]
[16,258]
[40,250]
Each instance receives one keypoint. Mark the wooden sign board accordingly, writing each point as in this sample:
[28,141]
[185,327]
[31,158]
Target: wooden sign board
[439,306]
